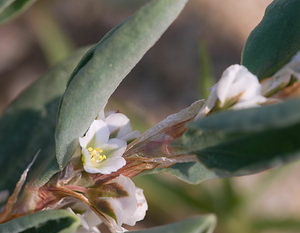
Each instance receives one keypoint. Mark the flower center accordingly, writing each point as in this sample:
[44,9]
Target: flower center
[96,154]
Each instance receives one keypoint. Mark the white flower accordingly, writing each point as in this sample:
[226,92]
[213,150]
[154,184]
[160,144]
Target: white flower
[127,209]
[238,88]
[105,142]
[237,81]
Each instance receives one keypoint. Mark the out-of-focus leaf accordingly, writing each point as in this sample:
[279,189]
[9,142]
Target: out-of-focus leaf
[28,124]
[4,4]
[198,224]
[11,8]
[206,79]
[275,40]
[104,67]
[276,224]
[193,172]
[58,221]
[245,141]
[52,38]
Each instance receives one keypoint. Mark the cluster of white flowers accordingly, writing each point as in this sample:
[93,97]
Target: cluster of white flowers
[102,148]
[105,142]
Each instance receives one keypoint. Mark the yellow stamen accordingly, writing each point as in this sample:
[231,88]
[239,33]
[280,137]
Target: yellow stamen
[96,155]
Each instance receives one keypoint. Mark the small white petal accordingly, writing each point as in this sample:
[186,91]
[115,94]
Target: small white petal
[131,208]
[237,80]
[107,166]
[142,206]
[87,157]
[102,134]
[254,102]
[224,84]
[118,121]
[98,131]
[117,145]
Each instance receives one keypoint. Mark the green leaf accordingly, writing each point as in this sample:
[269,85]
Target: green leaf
[277,224]
[4,4]
[28,125]
[11,8]
[104,67]
[198,224]
[58,221]
[246,141]
[275,40]
[193,172]
[206,79]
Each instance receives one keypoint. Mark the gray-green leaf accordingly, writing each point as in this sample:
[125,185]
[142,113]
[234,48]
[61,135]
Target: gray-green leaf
[58,221]
[192,172]
[246,141]
[275,40]
[103,68]
[28,125]
[11,8]
[198,224]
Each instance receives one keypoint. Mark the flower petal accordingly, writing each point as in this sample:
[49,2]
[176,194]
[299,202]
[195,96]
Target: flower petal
[102,134]
[237,80]
[98,133]
[132,208]
[118,121]
[118,147]
[107,166]
[142,206]
[254,102]
[86,157]
[225,82]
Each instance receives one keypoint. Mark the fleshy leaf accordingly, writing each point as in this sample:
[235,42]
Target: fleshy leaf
[233,143]
[275,40]
[192,172]
[59,221]
[4,4]
[11,8]
[28,124]
[104,67]
[198,224]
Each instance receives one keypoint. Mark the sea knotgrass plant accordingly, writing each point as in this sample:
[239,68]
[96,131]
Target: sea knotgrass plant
[67,164]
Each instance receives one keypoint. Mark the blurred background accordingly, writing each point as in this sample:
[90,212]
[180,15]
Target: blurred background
[207,37]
